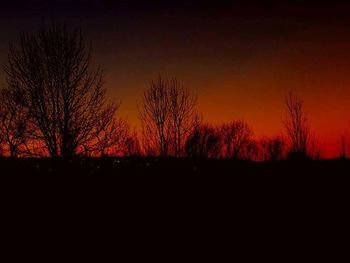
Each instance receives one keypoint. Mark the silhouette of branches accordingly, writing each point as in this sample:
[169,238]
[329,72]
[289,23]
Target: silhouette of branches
[63,97]
[204,142]
[272,149]
[55,105]
[132,145]
[343,146]
[237,140]
[168,115]
[14,125]
[297,127]
[183,115]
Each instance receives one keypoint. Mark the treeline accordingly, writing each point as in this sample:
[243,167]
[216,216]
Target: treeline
[55,105]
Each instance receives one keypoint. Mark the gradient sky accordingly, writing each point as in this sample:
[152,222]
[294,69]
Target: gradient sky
[241,57]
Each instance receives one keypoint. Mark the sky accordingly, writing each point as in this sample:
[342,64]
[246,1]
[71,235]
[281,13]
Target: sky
[240,57]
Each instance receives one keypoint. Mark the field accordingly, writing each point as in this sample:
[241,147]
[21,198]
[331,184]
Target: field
[170,167]
[135,188]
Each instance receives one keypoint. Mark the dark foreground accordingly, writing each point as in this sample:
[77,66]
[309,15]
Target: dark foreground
[177,177]
[167,168]
[154,174]
[177,195]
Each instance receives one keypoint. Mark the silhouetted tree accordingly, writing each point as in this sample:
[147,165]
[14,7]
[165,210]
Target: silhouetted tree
[272,149]
[132,146]
[314,149]
[168,115]
[2,151]
[251,151]
[65,99]
[14,124]
[183,115]
[297,127]
[343,146]
[154,116]
[109,142]
[237,140]
[149,142]
[204,142]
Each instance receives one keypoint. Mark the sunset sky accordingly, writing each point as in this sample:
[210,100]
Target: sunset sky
[240,57]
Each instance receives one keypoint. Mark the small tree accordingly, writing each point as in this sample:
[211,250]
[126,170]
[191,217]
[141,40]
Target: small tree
[14,124]
[132,145]
[183,115]
[154,116]
[168,115]
[237,140]
[297,127]
[109,142]
[204,142]
[343,146]
[272,149]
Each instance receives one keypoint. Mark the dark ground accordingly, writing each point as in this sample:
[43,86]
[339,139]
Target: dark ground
[169,168]
[189,175]
[140,199]
[177,177]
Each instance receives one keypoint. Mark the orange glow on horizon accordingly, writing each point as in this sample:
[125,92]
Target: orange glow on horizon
[317,71]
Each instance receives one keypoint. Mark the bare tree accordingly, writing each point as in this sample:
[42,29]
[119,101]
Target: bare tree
[14,124]
[297,127]
[183,115]
[237,140]
[109,142]
[343,146]
[132,145]
[168,115]
[272,149]
[2,148]
[65,99]
[314,151]
[251,151]
[149,141]
[204,142]
[154,116]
